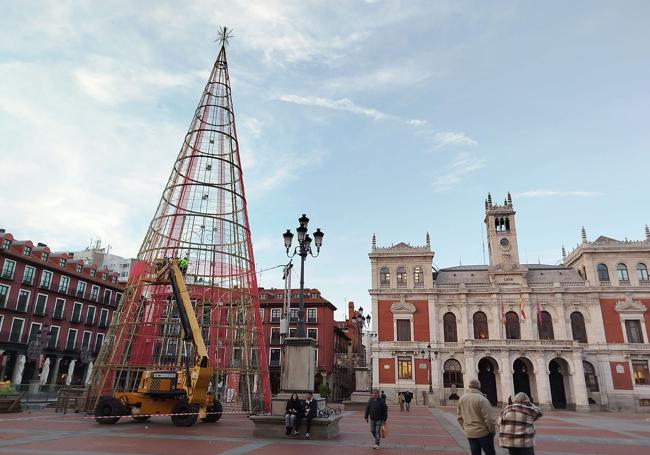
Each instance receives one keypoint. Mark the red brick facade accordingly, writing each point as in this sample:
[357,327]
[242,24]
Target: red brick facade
[611,321]
[420,321]
[621,377]
[39,287]
[387,370]
[422,371]
[385,321]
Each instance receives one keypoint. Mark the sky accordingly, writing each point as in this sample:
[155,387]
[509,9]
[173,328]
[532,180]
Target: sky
[387,117]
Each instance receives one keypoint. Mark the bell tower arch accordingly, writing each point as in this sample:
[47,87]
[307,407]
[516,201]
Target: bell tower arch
[501,231]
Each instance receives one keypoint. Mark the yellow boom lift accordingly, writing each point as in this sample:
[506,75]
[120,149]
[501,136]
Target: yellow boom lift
[185,393]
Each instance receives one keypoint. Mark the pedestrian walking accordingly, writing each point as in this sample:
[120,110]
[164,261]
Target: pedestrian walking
[383,396]
[517,426]
[291,413]
[377,411]
[408,396]
[476,419]
[310,411]
[401,400]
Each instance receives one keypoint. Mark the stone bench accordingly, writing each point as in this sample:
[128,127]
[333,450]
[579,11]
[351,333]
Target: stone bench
[270,426]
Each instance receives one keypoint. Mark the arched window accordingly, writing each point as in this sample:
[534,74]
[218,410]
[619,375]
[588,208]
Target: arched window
[642,271]
[621,272]
[481,326]
[578,327]
[418,277]
[384,277]
[545,326]
[591,380]
[512,326]
[507,224]
[452,374]
[603,273]
[449,323]
[401,277]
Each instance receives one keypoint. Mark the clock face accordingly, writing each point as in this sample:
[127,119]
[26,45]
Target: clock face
[504,242]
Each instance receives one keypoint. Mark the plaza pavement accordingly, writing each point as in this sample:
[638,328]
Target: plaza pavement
[422,431]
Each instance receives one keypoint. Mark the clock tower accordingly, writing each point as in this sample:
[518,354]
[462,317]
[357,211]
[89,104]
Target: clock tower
[501,234]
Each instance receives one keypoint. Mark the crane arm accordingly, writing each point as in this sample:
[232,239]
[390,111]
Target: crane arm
[191,329]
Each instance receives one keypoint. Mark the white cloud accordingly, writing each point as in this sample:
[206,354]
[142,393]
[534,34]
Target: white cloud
[112,82]
[398,74]
[553,193]
[417,123]
[453,138]
[463,164]
[343,104]
[281,170]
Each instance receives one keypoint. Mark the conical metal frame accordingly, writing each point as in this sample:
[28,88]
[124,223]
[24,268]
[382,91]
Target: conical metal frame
[202,216]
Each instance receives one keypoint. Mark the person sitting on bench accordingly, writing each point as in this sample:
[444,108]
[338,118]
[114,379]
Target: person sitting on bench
[292,411]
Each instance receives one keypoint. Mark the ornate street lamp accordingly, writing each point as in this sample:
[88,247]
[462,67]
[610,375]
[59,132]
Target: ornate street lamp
[302,249]
[430,365]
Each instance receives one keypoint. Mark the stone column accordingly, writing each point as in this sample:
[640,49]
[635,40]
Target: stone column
[5,360]
[505,376]
[543,384]
[18,370]
[55,373]
[577,378]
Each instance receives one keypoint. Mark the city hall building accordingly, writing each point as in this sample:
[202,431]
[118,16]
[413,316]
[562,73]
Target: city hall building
[572,336]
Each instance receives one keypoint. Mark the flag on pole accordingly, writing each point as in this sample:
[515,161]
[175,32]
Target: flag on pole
[521,307]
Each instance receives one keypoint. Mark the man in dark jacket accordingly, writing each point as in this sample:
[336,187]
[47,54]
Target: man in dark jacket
[377,410]
[408,396]
[311,410]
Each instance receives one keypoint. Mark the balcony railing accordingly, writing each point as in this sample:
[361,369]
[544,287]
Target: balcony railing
[644,283]
[623,282]
[605,283]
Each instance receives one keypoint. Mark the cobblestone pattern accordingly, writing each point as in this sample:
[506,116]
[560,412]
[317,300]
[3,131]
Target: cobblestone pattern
[422,431]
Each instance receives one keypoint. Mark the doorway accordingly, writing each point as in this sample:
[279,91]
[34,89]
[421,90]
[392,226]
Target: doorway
[487,378]
[556,379]
[521,378]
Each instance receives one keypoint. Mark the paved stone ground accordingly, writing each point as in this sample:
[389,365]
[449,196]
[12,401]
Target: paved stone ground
[422,431]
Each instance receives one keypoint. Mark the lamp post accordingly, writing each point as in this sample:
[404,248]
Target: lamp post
[35,348]
[302,249]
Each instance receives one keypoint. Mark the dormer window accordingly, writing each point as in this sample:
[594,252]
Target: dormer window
[45,257]
[92,272]
[79,268]
[104,276]
[62,262]
[27,251]
[6,243]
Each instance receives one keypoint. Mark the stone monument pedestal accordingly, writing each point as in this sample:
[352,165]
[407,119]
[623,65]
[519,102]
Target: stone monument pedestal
[34,386]
[297,374]
[361,395]
[297,377]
